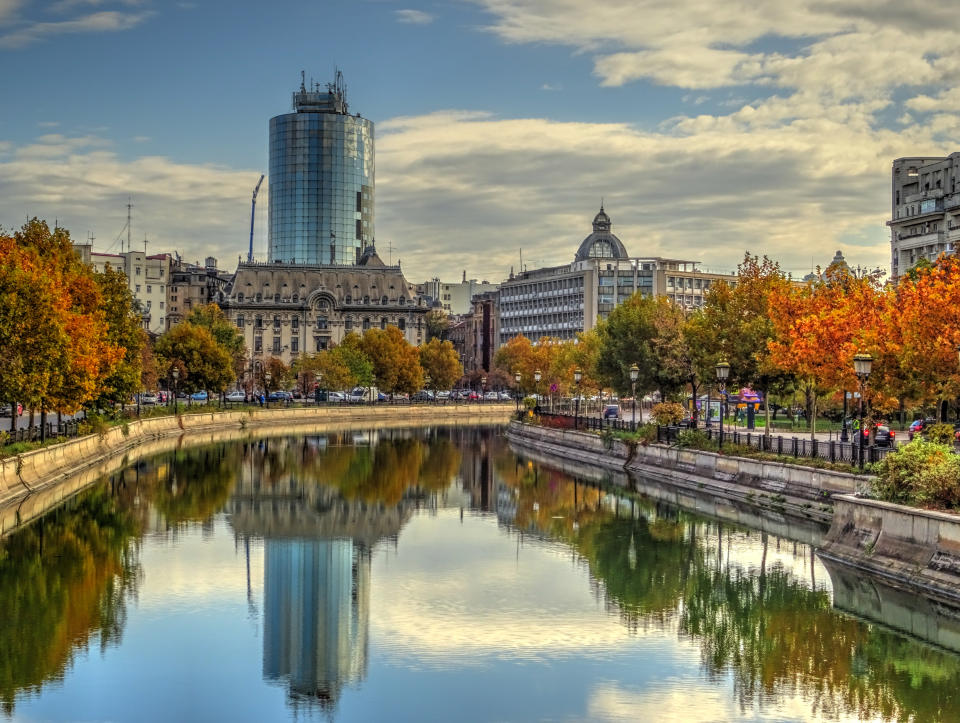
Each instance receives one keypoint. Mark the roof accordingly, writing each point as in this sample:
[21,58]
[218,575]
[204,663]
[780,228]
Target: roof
[601,243]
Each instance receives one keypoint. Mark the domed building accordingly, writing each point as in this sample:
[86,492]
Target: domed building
[561,301]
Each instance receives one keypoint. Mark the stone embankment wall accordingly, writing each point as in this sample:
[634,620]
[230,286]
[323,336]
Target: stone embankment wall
[800,491]
[905,546]
[32,482]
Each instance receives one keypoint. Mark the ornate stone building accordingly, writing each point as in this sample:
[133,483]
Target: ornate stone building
[285,310]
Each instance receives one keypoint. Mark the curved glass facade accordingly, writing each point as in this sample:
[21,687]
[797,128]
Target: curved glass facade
[321,184]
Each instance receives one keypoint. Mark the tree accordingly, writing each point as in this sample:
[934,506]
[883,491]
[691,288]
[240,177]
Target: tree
[440,362]
[438,324]
[280,374]
[203,363]
[211,316]
[396,364]
[123,331]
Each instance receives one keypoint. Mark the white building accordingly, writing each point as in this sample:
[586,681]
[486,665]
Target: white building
[455,297]
[147,277]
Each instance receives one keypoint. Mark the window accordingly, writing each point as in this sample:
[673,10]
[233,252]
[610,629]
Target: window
[138,271]
[258,344]
[276,345]
[258,322]
[402,324]
[348,299]
[240,322]
[322,322]
[295,323]
[138,288]
[359,200]
[161,305]
[366,323]
[383,322]
[348,324]
[366,299]
[149,289]
[276,322]
[276,298]
[295,345]
[240,298]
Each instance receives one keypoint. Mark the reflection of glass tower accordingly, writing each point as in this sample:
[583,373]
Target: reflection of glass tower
[321,179]
[316,612]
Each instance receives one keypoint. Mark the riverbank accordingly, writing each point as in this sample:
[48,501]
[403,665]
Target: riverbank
[911,549]
[33,482]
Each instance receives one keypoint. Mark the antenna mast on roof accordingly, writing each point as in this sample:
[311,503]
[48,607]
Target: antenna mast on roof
[129,227]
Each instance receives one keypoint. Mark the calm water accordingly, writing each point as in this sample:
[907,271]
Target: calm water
[428,575]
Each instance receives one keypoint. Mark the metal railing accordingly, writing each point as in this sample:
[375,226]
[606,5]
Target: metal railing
[64,430]
[828,450]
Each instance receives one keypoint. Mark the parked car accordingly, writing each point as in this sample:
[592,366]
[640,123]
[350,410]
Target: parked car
[918,425]
[148,398]
[280,396]
[611,411]
[6,410]
[237,395]
[424,395]
[505,397]
[200,396]
[336,397]
[444,394]
[491,396]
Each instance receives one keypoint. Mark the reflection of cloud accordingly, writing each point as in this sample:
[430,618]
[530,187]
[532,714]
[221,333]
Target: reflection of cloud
[106,21]
[413,17]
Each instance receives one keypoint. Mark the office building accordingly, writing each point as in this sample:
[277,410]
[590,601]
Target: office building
[562,301]
[321,184]
[193,285]
[454,297]
[147,276]
[285,310]
[925,210]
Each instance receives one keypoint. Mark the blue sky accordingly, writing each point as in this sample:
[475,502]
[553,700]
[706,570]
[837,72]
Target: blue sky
[709,128]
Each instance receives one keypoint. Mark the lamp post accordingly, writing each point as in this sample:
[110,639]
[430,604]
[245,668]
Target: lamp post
[516,378]
[577,378]
[723,372]
[175,373]
[634,375]
[426,383]
[537,376]
[266,382]
[483,388]
[862,364]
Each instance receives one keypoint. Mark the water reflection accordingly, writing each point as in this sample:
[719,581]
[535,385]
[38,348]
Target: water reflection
[324,514]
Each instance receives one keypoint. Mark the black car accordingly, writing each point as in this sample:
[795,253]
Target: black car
[883,437]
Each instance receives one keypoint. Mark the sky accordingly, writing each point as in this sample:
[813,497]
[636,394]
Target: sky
[707,129]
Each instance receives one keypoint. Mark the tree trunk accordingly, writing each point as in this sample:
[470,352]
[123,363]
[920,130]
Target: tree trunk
[13,417]
[766,412]
[813,416]
[43,423]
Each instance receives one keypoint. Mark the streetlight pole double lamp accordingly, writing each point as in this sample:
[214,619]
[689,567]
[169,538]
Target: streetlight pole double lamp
[723,373]
[537,376]
[634,375]
[175,373]
[483,388]
[577,378]
[862,366]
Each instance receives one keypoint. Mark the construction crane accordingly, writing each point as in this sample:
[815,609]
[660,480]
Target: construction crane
[253,208]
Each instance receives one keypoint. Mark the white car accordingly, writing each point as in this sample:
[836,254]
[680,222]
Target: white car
[148,398]
[336,397]
[236,396]
[491,396]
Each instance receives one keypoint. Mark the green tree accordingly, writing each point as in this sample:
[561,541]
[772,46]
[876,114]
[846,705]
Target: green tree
[211,316]
[438,324]
[439,361]
[203,363]
[123,331]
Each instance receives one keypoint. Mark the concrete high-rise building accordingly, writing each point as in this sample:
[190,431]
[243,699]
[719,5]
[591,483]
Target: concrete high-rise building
[321,179]
[925,210]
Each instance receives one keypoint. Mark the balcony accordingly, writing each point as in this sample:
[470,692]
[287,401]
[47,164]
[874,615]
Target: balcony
[921,239]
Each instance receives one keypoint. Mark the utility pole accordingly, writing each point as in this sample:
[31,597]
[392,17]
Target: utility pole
[129,227]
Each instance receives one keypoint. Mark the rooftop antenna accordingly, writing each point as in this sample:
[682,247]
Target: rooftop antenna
[144,244]
[303,80]
[129,226]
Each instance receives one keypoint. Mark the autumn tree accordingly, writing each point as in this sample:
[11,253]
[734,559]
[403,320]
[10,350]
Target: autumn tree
[123,331]
[396,364]
[441,363]
[211,316]
[438,324]
[203,363]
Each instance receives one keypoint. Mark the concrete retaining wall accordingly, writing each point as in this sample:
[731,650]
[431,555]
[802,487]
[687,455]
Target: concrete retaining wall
[905,546]
[44,470]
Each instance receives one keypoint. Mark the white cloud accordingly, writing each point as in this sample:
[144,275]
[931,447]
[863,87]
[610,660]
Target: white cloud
[107,21]
[413,17]
[63,6]
[551,86]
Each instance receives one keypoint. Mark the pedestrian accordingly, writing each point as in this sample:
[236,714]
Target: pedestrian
[261,399]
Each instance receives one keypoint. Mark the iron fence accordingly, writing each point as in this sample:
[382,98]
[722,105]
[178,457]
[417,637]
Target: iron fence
[64,430]
[829,450]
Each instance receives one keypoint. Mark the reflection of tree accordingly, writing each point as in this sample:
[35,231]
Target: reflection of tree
[63,579]
[198,483]
[441,464]
[771,631]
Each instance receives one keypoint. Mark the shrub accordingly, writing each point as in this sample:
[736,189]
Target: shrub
[666,413]
[529,402]
[93,424]
[940,433]
[695,439]
[921,473]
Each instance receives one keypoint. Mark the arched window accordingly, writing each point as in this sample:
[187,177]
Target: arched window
[401,301]
[383,300]
[240,298]
[383,322]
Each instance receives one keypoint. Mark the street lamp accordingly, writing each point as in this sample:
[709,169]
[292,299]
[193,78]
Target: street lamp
[427,381]
[516,378]
[175,373]
[577,378]
[634,375]
[862,364]
[483,388]
[537,376]
[266,382]
[723,372]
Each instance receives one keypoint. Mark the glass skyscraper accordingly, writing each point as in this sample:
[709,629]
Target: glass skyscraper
[321,180]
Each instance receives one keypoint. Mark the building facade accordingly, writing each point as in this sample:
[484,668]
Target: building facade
[321,185]
[456,298]
[562,301]
[148,277]
[192,285]
[924,210]
[285,310]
